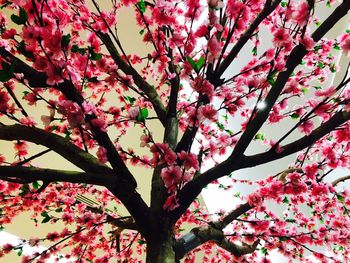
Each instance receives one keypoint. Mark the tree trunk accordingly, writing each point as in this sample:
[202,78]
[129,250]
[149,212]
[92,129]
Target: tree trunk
[161,249]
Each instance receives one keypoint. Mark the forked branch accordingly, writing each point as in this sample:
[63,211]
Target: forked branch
[214,232]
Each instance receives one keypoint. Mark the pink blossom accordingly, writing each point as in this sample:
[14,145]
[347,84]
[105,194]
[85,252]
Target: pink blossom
[311,170]
[102,154]
[171,176]
[203,86]
[319,189]
[7,248]
[53,41]
[41,64]
[171,203]
[73,112]
[22,148]
[345,43]
[301,14]
[99,123]
[88,107]
[207,112]
[145,139]
[255,199]
[326,93]
[28,121]
[306,127]
[170,157]
[214,49]
[190,160]
[31,97]
[133,112]
[202,31]
[308,42]
[10,33]
[4,98]
[281,37]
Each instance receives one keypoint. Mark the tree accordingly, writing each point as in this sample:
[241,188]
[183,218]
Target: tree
[67,56]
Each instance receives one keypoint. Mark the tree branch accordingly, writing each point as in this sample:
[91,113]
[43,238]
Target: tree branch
[340,180]
[193,188]
[35,78]
[125,185]
[38,79]
[139,81]
[293,61]
[243,39]
[31,174]
[214,232]
[67,150]
[338,119]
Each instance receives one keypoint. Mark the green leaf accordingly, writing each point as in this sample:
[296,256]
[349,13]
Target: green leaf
[264,251]
[141,6]
[304,90]
[290,220]
[21,19]
[340,198]
[220,125]
[65,40]
[271,77]
[318,47]
[45,220]
[36,185]
[131,100]
[294,115]
[332,68]
[283,238]
[143,114]
[76,49]
[285,200]
[200,63]
[320,64]
[67,135]
[141,32]
[255,51]
[95,56]
[284,4]
[44,214]
[141,241]
[336,47]
[58,210]
[7,72]
[196,65]
[259,136]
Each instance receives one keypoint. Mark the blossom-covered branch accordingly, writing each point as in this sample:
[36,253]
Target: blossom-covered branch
[269,7]
[293,61]
[237,160]
[142,84]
